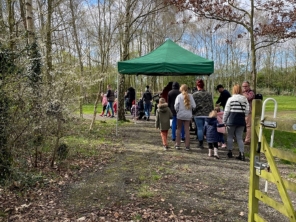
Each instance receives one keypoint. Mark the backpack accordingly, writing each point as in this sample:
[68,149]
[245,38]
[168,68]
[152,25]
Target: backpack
[147,97]
[259,96]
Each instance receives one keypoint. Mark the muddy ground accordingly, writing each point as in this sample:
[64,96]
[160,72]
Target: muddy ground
[145,182]
[142,182]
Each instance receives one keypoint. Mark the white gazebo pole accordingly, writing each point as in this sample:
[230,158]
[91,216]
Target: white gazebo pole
[136,103]
[117,105]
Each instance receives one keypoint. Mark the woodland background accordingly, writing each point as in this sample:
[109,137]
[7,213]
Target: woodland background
[57,55]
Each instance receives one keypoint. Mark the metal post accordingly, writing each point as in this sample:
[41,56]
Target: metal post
[117,105]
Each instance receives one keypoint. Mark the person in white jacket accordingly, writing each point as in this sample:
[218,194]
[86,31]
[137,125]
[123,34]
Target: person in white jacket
[184,104]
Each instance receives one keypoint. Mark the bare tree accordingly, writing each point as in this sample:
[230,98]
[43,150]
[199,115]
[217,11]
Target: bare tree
[277,27]
[48,45]
[11,23]
[135,13]
[29,21]
[78,49]
[106,25]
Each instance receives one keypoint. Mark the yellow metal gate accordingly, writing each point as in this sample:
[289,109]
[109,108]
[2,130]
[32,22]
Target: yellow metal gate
[268,170]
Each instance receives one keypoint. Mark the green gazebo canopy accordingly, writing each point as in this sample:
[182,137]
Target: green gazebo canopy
[169,59]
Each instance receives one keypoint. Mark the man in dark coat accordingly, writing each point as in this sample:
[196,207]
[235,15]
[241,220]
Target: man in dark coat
[224,95]
[147,97]
[172,95]
[110,99]
[130,96]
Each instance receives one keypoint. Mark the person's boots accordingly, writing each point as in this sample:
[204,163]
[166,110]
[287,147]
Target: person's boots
[229,154]
[210,153]
[148,118]
[201,144]
[109,114]
[216,153]
[241,156]
[102,114]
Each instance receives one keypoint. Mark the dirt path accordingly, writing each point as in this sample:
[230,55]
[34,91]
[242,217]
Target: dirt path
[145,183]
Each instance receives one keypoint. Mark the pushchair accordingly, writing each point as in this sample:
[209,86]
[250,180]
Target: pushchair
[155,98]
[139,110]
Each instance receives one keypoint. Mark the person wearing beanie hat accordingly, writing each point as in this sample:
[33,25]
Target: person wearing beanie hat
[172,95]
[204,105]
[224,95]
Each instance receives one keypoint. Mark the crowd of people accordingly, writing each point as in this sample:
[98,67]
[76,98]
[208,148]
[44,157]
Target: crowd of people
[231,114]
[176,107]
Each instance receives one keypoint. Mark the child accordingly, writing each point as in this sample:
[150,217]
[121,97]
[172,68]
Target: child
[134,109]
[104,103]
[163,116]
[210,130]
[115,106]
[221,130]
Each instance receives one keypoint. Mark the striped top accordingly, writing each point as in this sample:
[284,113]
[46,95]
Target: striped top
[237,107]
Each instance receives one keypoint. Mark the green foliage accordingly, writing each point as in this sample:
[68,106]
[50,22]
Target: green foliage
[6,68]
[34,70]
[277,80]
[26,179]
[155,176]
[63,151]
[292,175]
[284,103]
[145,191]
[89,109]
[282,139]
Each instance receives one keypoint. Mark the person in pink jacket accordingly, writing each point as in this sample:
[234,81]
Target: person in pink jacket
[221,130]
[104,103]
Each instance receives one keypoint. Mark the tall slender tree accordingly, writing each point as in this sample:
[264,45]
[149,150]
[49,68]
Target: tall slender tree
[48,45]
[7,67]
[78,49]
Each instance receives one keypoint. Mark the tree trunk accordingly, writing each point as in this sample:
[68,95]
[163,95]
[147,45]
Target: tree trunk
[11,24]
[29,22]
[79,56]
[253,49]
[49,42]
[125,56]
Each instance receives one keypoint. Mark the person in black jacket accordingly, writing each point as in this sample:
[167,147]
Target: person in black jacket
[110,99]
[172,95]
[147,97]
[129,98]
[224,95]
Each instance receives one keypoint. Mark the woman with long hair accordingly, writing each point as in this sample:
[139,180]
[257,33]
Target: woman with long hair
[184,104]
[236,109]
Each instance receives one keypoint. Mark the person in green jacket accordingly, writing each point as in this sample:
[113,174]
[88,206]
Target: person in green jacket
[163,116]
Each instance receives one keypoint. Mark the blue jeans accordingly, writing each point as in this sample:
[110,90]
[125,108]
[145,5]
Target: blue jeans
[200,123]
[127,105]
[147,107]
[174,128]
[109,106]
[221,138]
